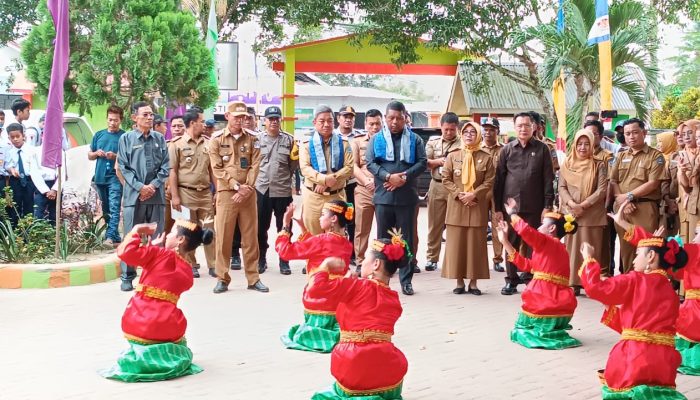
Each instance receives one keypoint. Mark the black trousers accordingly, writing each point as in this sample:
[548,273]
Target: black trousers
[400,217]
[613,239]
[350,227]
[267,206]
[23,196]
[534,221]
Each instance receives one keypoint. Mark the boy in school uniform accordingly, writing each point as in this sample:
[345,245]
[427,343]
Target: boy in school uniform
[19,167]
[45,181]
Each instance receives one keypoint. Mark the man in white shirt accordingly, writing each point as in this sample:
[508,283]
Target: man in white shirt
[19,167]
[45,186]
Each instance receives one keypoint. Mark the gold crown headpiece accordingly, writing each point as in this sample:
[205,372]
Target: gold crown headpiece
[189,225]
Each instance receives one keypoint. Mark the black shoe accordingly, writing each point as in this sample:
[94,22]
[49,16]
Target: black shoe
[212,272]
[262,266]
[431,266]
[284,268]
[259,287]
[195,272]
[498,267]
[509,289]
[459,290]
[577,291]
[221,287]
[474,291]
[525,277]
[407,289]
[127,286]
[236,263]
[303,270]
[416,269]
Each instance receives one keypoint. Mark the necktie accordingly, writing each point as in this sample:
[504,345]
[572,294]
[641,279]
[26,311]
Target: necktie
[22,176]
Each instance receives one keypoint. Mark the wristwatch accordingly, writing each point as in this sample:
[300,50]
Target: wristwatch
[630,197]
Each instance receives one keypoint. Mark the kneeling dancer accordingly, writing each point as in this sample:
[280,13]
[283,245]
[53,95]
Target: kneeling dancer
[548,301]
[152,323]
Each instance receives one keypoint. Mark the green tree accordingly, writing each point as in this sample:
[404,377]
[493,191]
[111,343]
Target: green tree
[123,51]
[18,17]
[688,60]
[634,48]
[676,109]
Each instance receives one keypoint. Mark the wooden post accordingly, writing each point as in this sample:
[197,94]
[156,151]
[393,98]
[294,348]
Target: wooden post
[57,250]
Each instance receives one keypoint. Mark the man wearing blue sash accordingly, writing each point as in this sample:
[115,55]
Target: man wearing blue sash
[326,162]
[396,158]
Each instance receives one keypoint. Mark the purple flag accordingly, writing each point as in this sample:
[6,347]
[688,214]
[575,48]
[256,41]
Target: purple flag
[53,130]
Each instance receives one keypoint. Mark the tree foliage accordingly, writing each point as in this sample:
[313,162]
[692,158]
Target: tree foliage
[676,109]
[18,17]
[688,60]
[123,51]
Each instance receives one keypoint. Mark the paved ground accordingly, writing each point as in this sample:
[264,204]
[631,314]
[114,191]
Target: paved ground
[53,341]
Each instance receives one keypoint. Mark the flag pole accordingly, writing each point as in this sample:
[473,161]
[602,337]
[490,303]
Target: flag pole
[57,251]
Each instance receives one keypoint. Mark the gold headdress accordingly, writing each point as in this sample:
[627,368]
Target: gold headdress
[189,225]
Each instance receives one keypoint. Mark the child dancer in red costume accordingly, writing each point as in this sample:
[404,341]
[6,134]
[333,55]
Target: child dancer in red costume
[548,301]
[152,322]
[365,364]
[643,307]
[319,332]
[688,323]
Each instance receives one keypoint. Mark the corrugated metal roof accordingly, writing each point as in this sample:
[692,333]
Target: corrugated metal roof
[507,97]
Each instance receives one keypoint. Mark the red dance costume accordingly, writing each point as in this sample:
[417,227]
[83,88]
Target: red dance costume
[645,356]
[365,362]
[319,332]
[152,313]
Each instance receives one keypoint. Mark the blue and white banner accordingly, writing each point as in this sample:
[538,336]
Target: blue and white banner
[600,31]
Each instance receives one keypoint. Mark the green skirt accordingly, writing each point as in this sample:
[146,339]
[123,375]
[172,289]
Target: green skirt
[543,332]
[644,392]
[690,351]
[153,362]
[335,392]
[319,333]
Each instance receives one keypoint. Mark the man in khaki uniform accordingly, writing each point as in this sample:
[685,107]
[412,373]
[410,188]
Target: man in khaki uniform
[364,191]
[190,181]
[177,129]
[599,153]
[636,175]
[326,162]
[491,129]
[235,158]
[436,151]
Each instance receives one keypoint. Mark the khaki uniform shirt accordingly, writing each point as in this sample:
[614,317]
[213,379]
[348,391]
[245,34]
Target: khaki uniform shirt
[359,148]
[457,213]
[437,148]
[279,158]
[313,177]
[189,158]
[234,161]
[494,151]
[632,169]
[595,214]
[553,152]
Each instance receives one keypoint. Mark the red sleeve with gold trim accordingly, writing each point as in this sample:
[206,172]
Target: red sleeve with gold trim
[530,235]
[611,318]
[133,253]
[611,291]
[304,248]
[636,234]
[521,262]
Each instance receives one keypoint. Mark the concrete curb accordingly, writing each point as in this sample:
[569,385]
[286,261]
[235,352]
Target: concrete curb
[48,276]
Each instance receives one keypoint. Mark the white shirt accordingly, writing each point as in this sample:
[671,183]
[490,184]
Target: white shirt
[4,158]
[611,147]
[13,161]
[41,174]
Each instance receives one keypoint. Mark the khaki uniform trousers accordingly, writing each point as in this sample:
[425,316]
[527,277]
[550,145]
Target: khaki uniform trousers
[228,216]
[201,210]
[312,204]
[495,242]
[647,217]
[437,210]
[364,217]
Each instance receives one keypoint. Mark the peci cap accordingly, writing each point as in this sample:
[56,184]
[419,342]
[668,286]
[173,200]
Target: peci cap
[346,110]
[273,112]
[251,111]
[158,119]
[210,123]
[620,124]
[237,108]
[491,121]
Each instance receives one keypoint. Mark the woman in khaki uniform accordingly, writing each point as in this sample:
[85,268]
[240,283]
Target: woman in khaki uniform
[583,184]
[667,144]
[468,176]
[686,160]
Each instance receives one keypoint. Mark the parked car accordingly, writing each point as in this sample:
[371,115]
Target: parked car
[77,127]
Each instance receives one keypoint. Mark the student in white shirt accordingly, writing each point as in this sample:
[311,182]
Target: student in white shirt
[45,186]
[19,167]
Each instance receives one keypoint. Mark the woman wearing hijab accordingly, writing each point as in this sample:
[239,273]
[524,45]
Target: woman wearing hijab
[583,184]
[667,143]
[468,176]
